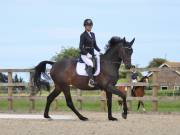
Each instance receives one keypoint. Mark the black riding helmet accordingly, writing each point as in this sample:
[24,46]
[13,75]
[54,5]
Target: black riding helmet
[88,22]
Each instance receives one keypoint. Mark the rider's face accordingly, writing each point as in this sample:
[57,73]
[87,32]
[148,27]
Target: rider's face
[88,27]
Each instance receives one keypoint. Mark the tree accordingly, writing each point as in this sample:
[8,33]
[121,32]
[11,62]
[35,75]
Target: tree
[16,79]
[156,62]
[70,52]
[3,78]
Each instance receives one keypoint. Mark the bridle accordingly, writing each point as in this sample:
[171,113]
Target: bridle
[117,62]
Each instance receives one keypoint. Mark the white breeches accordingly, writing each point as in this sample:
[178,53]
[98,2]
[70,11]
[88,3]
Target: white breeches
[87,60]
[134,81]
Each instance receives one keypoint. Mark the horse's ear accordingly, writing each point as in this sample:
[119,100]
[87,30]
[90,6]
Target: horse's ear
[131,43]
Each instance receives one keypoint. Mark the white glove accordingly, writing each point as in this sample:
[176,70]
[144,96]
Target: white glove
[98,53]
[89,55]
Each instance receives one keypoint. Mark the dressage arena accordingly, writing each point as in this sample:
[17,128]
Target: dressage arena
[65,123]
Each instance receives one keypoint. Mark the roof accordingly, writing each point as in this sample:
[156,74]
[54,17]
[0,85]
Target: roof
[169,65]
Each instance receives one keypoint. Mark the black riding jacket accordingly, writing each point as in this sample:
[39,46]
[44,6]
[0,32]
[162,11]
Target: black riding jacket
[88,44]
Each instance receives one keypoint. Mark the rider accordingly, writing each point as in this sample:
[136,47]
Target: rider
[87,46]
[134,77]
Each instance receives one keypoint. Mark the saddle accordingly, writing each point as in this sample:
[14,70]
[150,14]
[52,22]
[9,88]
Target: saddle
[81,66]
[94,60]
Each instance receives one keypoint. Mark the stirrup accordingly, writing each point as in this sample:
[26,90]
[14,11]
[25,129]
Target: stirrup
[91,83]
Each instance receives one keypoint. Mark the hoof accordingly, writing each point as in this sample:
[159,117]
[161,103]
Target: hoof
[124,116]
[47,116]
[113,119]
[83,118]
[144,110]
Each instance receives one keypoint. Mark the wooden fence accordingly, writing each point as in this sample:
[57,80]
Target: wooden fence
[80,99]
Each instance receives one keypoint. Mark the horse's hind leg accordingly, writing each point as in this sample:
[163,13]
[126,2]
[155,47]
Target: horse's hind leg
[70,104]
[50,99]
[139,104]
[143,106]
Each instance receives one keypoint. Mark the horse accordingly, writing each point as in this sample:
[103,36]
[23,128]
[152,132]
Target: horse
[138,91]
[63,74]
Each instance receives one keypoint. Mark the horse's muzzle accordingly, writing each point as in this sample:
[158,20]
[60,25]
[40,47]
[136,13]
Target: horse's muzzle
[128,66]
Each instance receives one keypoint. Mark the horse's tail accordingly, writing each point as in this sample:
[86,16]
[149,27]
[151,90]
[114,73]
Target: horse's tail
[40,69]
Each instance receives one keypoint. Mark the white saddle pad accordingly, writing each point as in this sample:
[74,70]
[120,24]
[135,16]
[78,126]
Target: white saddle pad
[80,68]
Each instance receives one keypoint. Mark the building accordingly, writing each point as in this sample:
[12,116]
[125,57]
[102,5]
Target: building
[169,76]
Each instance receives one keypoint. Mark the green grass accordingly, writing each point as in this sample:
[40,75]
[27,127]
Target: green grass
[22,105]
[122,80]
[163,106]
[169,106]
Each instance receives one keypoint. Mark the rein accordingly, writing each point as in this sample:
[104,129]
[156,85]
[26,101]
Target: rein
[116,62]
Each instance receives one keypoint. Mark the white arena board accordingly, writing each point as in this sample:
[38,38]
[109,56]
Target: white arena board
[34,116]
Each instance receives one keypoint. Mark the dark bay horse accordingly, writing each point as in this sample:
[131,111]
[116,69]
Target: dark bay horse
[63,73]
[138,91]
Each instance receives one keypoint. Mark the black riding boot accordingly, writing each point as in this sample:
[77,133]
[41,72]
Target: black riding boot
[89,71]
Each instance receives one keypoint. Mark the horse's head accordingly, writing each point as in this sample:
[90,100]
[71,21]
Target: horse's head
[125,52]
[121,49]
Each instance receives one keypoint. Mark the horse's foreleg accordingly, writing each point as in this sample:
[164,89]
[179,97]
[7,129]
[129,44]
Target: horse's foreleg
[113,90]
[109,105]
[70,104]
[50,99]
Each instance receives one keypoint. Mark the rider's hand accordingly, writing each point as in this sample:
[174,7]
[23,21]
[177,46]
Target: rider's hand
[98,53]
[89,55]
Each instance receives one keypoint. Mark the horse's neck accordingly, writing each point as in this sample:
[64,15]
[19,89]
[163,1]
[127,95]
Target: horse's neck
[111,55]
[111,58]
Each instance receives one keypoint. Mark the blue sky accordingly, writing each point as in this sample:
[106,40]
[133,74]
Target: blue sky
[34,30]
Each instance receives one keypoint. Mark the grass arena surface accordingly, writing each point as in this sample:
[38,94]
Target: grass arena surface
[136,124]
